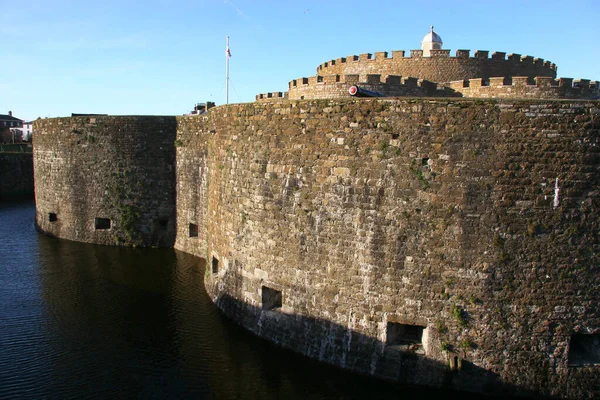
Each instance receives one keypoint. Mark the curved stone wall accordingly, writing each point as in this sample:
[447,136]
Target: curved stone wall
[335,86]
[541,87]
[440,67]
[106,180]
[443,242]
[448,242]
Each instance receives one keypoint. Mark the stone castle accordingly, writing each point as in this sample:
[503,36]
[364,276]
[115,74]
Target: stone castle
[421,236]
[432,72]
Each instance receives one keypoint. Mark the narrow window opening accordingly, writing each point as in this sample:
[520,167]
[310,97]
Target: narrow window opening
[584,349]
[271,298]
[163,223]
[102,223]
[193,230]
[52,217]
[403,334]
[215,265]
[455,363]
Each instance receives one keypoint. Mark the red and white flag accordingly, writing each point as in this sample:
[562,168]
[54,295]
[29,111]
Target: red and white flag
[227,52]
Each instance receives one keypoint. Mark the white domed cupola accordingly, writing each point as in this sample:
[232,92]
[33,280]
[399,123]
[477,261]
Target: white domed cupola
[431,41]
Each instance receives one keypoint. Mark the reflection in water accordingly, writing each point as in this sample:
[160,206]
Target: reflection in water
[86,321]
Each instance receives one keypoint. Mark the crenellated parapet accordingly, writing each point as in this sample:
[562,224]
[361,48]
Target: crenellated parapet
[541,87]
[440,66]
[337,86]
[271,96]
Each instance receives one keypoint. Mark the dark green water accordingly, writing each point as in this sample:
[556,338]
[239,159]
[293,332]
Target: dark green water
[80,321]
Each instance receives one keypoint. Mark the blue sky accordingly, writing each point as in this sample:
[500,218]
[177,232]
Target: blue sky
[161,57]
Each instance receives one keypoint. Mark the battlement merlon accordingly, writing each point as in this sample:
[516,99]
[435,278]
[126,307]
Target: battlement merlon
[381,55]
[498,55]
[581,83]
[482,54]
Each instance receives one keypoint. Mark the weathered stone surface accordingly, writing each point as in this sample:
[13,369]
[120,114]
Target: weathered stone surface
[439,67]
[16,175]
[116,168]
[432,213]
[437,75]
[475,221]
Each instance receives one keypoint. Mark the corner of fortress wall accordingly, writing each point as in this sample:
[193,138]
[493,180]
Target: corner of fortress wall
[328,225]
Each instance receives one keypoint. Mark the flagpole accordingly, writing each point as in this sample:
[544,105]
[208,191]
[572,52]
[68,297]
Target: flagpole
[227,71]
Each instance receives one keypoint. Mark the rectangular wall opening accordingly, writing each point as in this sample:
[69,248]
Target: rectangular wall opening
[52,217]
[404,334]
[271,298]
[584,349]
[215,265]
[102,223]
[163,223]
[193,230]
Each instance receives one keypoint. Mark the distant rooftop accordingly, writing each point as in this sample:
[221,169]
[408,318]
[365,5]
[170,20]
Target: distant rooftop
[4,117]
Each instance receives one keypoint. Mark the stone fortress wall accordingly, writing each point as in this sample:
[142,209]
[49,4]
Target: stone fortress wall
[440,66]
[437,75]
[442,241]
[541,87]
[336,86]
[330,226]
[106,180]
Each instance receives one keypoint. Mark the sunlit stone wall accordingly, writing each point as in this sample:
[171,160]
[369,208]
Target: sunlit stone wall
[444,242]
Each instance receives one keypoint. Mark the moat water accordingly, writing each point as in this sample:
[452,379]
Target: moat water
[80,321]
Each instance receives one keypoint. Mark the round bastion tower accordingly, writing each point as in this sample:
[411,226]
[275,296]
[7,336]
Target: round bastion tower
[432,71]
[431,41]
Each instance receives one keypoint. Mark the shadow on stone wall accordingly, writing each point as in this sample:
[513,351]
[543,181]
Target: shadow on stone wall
[342,347]
[16,175]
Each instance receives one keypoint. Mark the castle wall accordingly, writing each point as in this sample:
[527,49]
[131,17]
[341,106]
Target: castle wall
[522,87]
[440,67]
[16,175]
[335,86]
[192,182]
[271,96]
[474,221]
[106,180]
[330,226]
